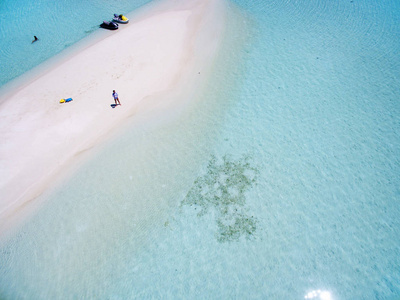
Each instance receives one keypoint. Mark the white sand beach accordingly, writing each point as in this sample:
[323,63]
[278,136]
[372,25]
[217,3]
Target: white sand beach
[161,55]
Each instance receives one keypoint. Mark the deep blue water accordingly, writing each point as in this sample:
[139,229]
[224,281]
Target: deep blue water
[281,183]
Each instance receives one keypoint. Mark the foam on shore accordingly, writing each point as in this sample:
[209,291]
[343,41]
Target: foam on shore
[154,62]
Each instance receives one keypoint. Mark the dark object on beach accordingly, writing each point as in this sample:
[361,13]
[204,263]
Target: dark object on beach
[109,25]
[120,19]
[35,39]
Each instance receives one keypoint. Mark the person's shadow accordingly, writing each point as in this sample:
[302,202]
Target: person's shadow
[113,105]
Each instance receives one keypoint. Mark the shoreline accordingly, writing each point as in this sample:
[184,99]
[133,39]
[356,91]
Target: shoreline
[165,48]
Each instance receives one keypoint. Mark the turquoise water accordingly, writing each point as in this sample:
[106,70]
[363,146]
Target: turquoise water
[280,181]
[57,24]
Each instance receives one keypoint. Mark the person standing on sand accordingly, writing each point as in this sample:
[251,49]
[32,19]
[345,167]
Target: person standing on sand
[116,99]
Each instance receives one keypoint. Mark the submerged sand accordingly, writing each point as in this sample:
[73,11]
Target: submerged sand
[153,62]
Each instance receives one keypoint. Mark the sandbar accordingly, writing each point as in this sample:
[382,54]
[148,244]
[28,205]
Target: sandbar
[162,53]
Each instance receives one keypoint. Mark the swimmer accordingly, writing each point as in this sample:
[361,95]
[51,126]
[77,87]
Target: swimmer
[35,39]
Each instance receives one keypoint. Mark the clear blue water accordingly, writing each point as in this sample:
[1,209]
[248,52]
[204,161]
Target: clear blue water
[57,24]
[281,181]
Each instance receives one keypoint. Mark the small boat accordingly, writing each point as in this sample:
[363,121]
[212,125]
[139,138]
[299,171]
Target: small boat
[120,19]
[109,25]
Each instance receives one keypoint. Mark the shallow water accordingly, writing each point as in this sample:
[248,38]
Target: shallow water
[280,181]
[57,24]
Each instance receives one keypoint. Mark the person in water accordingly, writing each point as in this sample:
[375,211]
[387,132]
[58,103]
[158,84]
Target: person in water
[115,96]
[35,39]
